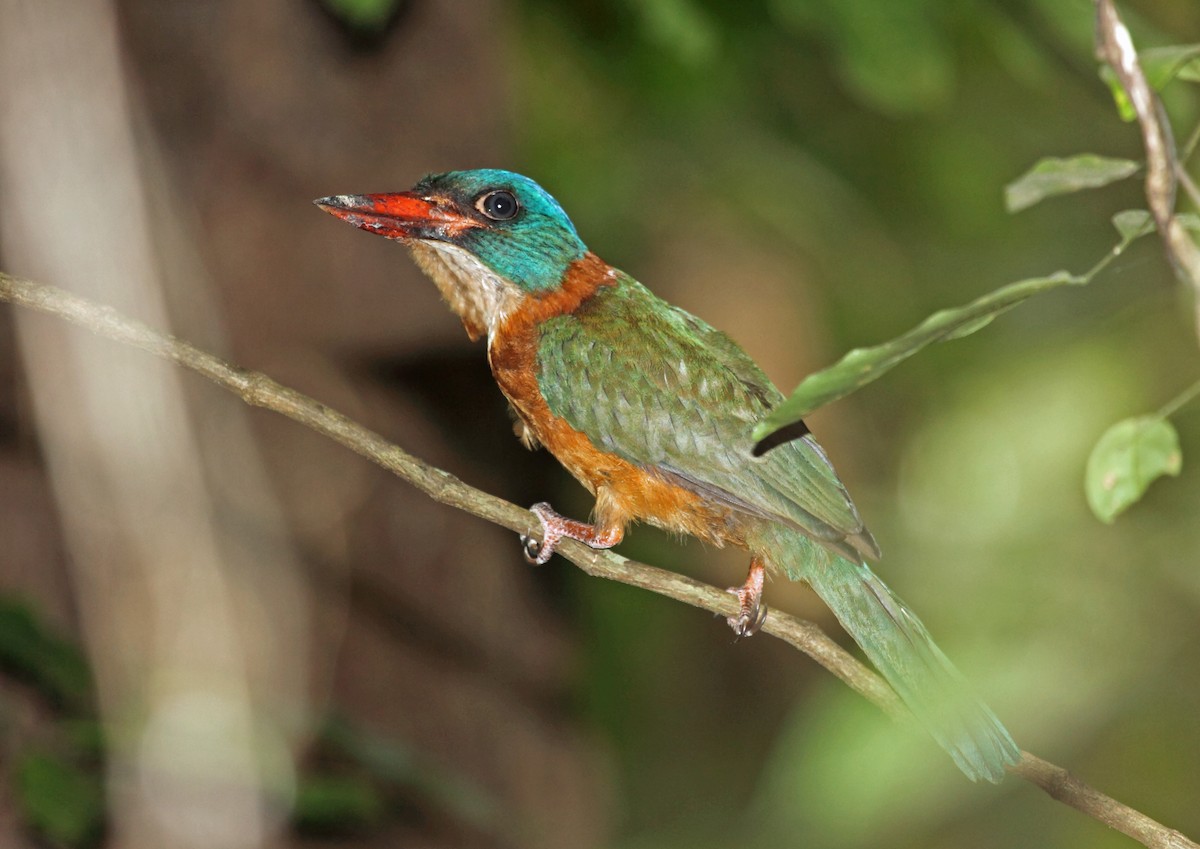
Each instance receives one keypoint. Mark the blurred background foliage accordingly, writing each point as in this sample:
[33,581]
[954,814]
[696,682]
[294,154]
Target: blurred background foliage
[812,176]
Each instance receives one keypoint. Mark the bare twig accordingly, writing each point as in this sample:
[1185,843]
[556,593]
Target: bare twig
[261,391]
[1114,45]
[1070,790]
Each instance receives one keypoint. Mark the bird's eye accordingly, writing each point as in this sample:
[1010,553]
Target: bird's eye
[500,205]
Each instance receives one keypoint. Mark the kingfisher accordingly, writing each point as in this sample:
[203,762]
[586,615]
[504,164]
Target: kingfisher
[652,409]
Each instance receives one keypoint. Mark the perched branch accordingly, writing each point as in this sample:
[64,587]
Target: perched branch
[261,391]
[1070,790]
[1114,45]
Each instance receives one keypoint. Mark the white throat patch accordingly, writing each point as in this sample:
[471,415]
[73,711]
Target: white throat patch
[480,296]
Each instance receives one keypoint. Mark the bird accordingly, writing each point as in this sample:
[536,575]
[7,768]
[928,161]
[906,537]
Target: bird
[652,409]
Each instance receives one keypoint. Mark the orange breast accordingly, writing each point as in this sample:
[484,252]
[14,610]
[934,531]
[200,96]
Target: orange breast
[624,492]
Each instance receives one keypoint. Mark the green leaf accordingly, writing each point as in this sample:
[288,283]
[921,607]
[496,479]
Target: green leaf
[364,16]
[336,805]
[1160,65]
[863,365]
[1119,95]
[1133,224]
[1163,64]
[969,328]
[60,801]
[1189,220]
[29,650]
[1130,456]
[1053,176]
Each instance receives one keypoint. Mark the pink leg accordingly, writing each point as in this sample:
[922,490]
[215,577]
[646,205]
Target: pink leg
[555,527]
[753,612]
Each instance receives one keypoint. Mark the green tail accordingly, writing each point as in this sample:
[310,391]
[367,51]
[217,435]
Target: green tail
[895,641]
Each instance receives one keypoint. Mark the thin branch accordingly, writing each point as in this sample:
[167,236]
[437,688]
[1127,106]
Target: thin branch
[261,391]
[1181,173]
[1114,45]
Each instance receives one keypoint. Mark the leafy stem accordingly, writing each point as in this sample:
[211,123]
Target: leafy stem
[1172,407]
[864,365]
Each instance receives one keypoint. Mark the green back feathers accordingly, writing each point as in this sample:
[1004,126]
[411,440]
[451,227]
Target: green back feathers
[680,397]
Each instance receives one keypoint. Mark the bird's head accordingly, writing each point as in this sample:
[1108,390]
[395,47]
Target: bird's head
[506,223]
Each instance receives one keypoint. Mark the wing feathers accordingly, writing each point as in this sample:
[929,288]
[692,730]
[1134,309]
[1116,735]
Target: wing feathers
[662,389]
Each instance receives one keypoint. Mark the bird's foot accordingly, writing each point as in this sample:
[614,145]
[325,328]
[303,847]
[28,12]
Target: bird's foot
[752,612]
[556,526]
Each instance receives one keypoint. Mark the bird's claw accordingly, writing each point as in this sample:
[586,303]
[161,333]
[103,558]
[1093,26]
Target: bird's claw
[535,551]
[531,547]
[555,527]
[752,612]
[751,615]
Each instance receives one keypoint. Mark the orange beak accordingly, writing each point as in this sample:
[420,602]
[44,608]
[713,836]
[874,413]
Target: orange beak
[401,215]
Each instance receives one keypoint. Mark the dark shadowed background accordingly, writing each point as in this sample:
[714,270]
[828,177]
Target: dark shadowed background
[218,629]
